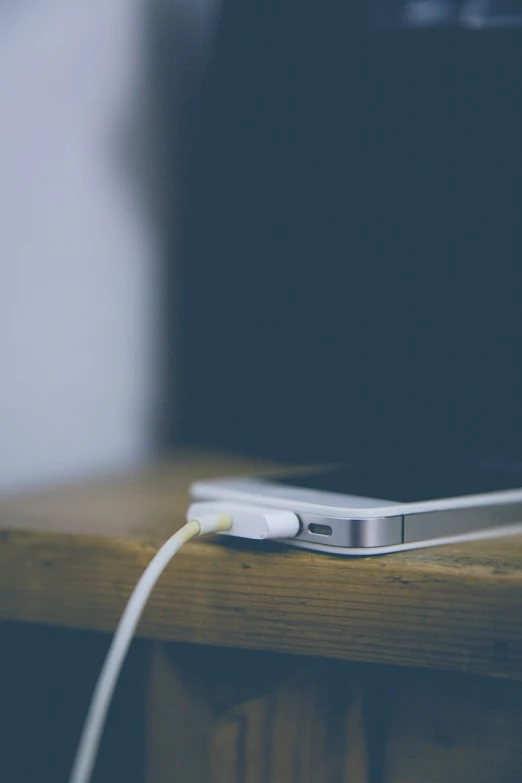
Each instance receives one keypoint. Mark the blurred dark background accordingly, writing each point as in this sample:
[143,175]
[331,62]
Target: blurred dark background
[350,259]
[286,229]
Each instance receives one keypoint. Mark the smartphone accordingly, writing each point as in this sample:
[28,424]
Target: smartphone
[359,509]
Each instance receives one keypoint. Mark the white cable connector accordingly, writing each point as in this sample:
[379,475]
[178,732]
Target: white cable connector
[104,689]
[203,518]
[253,522]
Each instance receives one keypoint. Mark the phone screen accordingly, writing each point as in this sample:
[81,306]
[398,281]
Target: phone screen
[412,482]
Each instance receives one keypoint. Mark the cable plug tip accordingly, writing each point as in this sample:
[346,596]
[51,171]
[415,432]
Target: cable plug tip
[245,521]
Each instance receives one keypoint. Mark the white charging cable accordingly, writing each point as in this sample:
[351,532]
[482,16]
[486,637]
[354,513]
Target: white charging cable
[243,521]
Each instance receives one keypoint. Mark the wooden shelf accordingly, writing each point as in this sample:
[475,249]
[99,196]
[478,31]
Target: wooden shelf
[71,556]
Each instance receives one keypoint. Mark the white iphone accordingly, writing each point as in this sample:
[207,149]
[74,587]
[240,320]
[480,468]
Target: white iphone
[354,510]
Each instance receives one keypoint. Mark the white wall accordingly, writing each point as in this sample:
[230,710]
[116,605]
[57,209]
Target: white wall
[77,271]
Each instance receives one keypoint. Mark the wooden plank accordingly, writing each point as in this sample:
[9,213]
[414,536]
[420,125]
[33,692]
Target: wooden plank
[241,717]
[71,557]
[445,728]
[178,725]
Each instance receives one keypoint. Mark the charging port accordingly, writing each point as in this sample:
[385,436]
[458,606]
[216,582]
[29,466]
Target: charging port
[319,530]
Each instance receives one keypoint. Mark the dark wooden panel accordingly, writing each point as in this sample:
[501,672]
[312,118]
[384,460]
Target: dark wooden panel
[240,717]
[446,728]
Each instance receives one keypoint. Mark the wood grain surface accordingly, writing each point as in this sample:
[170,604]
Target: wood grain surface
[238,717]
[71,556]
[250,717]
